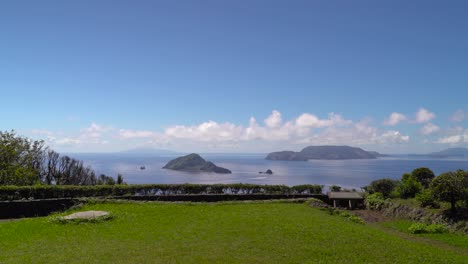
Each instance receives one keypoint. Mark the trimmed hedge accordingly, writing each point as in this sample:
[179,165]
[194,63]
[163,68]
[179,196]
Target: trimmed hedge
[63,191]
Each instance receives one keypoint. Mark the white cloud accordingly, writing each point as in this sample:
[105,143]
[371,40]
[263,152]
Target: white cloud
[393,137]
[458,116]
[67,141]
[305,129]
[93,135]
[272,134]
[429,128]
[423,115]
[274,120]
[458,135]
[394,119]
[451,139]
[312,121]
[129,134]
[207,131]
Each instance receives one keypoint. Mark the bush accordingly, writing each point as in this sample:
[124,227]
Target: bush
[356,219]
[423,176]
[436,229]
[409,187]
[307,189]
[426,199]
[349,216]
[75,191]
[375,201]
[383,186]
[419,228]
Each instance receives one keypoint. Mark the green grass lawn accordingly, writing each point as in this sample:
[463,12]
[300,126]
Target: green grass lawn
[275,232]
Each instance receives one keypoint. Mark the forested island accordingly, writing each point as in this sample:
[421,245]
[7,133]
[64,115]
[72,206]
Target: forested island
[194,162]
[324,153]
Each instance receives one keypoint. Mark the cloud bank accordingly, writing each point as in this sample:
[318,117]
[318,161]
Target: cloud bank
[272,133]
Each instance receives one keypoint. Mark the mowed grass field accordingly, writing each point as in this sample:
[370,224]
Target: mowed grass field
[257,232]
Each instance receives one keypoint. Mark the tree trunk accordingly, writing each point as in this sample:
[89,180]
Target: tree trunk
[452,204]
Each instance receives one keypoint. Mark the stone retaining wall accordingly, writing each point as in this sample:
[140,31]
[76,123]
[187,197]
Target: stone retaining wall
[34,208]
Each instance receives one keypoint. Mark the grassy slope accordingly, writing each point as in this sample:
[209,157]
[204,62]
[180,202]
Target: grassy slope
[221,233]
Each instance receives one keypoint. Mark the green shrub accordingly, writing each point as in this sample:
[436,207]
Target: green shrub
[409,187]
[426,198]
[375,201]
[436,229]
[383,186]
[351,217]
[76,191]
[356,219]
[307,189]
[419,228]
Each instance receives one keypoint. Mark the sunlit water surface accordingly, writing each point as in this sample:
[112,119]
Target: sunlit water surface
[245,169]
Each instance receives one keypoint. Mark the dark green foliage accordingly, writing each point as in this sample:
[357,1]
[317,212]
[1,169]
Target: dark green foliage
[27,162]
[351,217]
[409,186]
[423,176]
[54,191]
[193,162]
[105,180]
[419,228]
[383,186]
[20,159]
[120,179]
[451,187]
[426,198]
[375,201]
[335,188]
[306,189]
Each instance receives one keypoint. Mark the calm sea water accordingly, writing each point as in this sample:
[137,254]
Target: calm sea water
[245,169]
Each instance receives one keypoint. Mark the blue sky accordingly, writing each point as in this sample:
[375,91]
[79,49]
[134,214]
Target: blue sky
[190,75]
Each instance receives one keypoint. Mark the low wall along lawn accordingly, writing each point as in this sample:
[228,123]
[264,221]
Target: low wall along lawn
[32,201]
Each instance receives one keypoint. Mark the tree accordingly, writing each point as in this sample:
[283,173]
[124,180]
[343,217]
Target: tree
[27,162]
[423,175]
[105,180]
[20,159]
[451,187]
[335,188]
[119,179]
[409,186]
[383,186]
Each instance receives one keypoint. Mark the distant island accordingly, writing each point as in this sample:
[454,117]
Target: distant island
[449,153]
[324,153]
[194,162]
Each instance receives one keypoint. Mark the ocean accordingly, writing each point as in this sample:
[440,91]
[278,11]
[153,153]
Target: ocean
[246,167]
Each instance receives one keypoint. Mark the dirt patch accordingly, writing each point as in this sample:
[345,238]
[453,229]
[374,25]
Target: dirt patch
[370,216]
